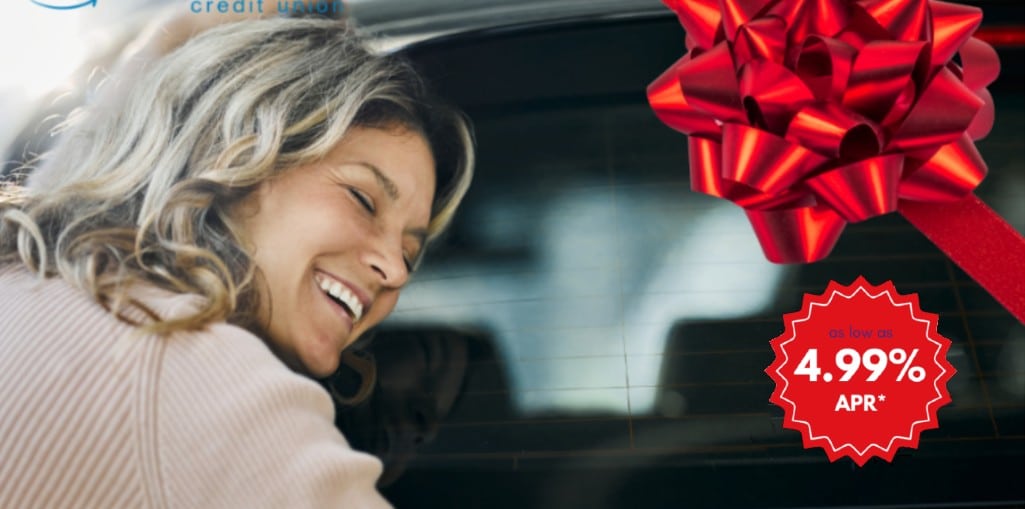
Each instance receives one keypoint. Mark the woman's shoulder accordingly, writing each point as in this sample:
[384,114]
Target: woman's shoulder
[34,302]
[53,315]
[238,428]
[50,310]
[211,417]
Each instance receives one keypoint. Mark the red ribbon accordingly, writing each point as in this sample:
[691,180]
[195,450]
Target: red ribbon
[811,114]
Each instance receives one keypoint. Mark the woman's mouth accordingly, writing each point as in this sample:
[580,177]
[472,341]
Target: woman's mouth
[341,295]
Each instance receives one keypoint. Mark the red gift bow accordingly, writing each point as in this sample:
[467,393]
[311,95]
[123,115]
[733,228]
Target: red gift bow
[811,114]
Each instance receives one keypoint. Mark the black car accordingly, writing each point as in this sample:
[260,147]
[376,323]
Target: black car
[618,323]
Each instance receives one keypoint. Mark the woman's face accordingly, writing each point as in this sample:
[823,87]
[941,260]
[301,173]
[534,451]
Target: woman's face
[333,242]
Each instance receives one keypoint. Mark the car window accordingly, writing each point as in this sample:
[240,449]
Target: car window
[620,322]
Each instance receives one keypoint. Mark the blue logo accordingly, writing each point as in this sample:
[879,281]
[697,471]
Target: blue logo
[65,5]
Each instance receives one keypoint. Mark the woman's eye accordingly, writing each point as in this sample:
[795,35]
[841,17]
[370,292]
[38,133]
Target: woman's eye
[363,200]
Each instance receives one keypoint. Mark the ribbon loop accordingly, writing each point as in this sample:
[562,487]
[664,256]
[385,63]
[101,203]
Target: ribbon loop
[861,190]
[943,112]
[953,25]
[671,106]
[905,20]
[797,235]
[764,38]
[835,132]
[805,19]
[770,92]
[981,64]
[711,84]
[736,13]
[764,161]
[954,171]
[706,166]
[881,76]
[824,64]
[700,18]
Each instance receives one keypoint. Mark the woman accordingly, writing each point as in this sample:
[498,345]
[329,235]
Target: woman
[185,260]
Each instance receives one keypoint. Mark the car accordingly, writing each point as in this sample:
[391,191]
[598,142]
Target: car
[620,322]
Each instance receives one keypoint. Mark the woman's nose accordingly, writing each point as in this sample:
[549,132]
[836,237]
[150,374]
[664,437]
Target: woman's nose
[388,262]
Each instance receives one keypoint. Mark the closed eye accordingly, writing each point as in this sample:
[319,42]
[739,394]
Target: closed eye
[363,200]
[412,256]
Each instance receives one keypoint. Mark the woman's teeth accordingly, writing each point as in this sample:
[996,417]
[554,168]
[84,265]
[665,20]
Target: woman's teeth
[343,295]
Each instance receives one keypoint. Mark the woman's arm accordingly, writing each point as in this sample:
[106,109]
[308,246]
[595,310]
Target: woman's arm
[236,428]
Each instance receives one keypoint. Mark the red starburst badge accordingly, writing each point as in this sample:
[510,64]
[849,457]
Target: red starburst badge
[860,371]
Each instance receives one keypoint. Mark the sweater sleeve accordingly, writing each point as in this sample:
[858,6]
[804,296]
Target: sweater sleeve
[234,427]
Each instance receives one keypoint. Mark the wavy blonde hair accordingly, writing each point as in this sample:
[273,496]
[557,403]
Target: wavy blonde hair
[144,192]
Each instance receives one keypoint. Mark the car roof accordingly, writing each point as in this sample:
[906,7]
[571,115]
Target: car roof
[401,23]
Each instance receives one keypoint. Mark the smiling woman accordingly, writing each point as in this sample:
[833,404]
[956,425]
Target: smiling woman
[339,238]
[255,203]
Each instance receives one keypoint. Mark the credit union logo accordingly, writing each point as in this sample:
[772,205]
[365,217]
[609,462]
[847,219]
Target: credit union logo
[64,5]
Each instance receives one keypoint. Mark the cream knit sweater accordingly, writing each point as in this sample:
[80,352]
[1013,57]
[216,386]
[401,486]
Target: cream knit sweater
[91,416]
